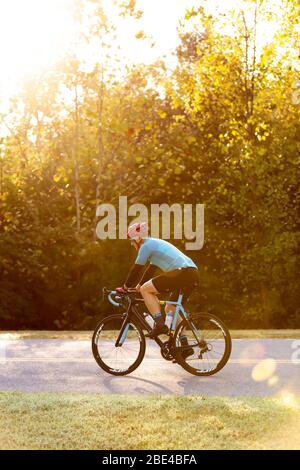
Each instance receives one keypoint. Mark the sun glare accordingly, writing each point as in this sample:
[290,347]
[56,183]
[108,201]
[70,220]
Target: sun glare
[33,34]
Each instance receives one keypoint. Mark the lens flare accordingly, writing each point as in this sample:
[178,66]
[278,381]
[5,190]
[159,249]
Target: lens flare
[253,352]
[264,370]
[273,381]
[288,399]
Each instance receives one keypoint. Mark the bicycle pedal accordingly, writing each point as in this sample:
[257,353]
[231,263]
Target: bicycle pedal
[158,331]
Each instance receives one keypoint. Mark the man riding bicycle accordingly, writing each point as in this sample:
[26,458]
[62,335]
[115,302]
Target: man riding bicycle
[200,343]
[179,273]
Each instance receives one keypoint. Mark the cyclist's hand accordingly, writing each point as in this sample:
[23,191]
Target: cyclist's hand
[137,288]
[121,290]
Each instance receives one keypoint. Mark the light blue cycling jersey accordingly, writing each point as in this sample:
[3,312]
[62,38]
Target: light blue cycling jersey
[163,255]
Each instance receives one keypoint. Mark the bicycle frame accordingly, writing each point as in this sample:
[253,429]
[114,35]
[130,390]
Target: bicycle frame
[180,311]
[132,309]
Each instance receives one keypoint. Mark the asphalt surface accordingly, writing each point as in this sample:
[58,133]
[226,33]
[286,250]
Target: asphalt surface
[256,368]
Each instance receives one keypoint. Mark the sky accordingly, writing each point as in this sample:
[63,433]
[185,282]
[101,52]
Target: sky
[36,33]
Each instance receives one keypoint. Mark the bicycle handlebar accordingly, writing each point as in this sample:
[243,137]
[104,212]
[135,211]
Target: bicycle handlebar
[110,294]
[111,300]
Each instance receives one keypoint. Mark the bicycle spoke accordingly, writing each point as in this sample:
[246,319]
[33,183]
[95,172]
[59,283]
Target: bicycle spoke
[210,346]
[122,357]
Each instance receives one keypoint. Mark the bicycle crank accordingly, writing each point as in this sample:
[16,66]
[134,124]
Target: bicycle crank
[165,352]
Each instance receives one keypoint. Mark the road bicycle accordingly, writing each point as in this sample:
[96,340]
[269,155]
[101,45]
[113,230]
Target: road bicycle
[200,343]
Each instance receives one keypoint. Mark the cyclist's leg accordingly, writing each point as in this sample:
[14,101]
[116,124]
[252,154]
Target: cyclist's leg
[188,281]
[175,281]
[183,340]
[149,294]
[185,282]
[172,281]
[149,291]
[160,283]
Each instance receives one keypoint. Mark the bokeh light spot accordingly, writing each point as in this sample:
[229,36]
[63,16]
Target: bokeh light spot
[264,370]
[288,399]
[253,352]
[273,381]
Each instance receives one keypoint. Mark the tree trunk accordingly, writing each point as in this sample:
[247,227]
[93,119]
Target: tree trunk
[76,166]
[100,147]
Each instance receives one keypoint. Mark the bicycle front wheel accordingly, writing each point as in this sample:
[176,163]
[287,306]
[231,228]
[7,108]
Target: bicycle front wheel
[202,344]
[122,359]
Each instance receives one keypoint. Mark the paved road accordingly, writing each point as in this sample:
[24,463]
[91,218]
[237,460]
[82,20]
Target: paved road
[256,368]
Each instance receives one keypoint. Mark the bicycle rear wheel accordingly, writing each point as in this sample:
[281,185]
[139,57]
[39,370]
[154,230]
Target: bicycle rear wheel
[120,360]
[207,346]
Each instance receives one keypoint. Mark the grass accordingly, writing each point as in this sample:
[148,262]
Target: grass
[94,421]
[86,335]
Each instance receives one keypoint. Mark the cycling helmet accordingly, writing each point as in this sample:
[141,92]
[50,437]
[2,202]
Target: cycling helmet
[137,231]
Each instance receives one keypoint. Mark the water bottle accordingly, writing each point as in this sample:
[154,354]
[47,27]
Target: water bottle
[149,319]
[169,319]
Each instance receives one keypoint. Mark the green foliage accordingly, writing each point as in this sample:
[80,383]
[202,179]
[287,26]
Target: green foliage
[222,129]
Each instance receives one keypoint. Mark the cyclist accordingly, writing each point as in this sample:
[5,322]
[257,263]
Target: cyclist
[179,273]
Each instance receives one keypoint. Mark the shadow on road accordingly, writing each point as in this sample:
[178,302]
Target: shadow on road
[134,385]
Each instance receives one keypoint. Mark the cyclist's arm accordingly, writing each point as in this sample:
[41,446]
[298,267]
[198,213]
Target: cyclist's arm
[134,275]
[137,269]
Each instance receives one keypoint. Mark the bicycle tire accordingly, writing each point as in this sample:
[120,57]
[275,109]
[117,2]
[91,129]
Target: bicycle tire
[228,345]
[97,356]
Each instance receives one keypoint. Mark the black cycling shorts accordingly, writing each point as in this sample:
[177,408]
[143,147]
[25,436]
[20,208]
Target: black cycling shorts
[182,279]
